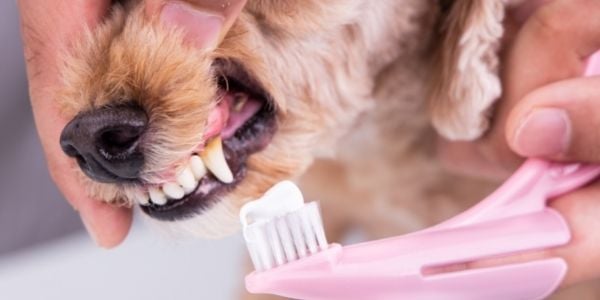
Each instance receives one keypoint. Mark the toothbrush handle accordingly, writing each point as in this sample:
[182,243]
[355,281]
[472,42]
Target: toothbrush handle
[394,268]
[527,191]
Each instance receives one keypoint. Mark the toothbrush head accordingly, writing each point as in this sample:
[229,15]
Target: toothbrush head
[280,228]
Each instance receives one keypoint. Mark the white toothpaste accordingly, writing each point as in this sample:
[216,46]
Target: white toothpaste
[283,198]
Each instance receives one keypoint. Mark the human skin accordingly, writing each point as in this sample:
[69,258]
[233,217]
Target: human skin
[540,69]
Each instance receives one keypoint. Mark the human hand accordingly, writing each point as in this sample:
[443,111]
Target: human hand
[549,111]
[48,28]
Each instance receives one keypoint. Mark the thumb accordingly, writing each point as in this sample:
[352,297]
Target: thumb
[204,22]
[558,121]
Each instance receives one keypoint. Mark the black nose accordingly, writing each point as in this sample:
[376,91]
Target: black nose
[106,142]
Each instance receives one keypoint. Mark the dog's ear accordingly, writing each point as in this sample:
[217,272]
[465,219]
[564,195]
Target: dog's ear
[465,80]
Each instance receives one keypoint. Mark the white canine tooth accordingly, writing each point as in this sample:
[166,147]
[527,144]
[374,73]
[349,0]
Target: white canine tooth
[197,167]
[141,197]
[157,196]
[173,190]
[187,180]
[214,160]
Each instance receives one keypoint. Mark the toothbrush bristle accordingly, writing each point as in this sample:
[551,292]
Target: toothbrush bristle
[286,238]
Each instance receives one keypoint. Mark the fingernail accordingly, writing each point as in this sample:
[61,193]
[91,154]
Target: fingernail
[543,132]
[201,28]
[91,232]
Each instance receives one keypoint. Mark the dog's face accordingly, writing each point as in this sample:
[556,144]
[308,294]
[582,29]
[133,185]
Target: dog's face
[190,134]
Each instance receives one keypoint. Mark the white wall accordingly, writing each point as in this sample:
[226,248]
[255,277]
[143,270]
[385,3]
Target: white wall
[145,267]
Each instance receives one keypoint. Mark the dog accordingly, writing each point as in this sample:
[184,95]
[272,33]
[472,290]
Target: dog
[345,97]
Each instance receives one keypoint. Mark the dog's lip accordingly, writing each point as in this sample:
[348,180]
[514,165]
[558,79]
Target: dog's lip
[217,119]
[231,72]
[224,122]
[251,137]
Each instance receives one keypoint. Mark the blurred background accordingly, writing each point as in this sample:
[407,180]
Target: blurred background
[44,251]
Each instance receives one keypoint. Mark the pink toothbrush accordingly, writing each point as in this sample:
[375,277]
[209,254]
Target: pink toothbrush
[292,259]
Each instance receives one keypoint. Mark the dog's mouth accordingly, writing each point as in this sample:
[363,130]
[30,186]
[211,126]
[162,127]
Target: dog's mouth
[242,123]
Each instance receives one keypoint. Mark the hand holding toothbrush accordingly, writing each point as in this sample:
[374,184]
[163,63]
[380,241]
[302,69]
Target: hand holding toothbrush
[549,111]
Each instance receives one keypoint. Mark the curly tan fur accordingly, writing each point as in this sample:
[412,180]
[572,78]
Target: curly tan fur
[466,83]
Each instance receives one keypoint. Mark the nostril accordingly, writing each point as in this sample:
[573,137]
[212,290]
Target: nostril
[119,142]
[106,142]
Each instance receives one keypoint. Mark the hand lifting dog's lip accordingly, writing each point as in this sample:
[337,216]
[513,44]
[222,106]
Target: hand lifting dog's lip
[110,146]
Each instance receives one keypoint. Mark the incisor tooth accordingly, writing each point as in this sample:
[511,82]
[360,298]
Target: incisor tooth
[187,180]
[157,196]
[141,197]
[173,190]
[197,167]
[214,160]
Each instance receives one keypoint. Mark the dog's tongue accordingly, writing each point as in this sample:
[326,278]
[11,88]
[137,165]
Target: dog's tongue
[230,115]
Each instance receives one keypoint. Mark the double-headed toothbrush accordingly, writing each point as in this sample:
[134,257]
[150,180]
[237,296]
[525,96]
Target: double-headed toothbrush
[287,244]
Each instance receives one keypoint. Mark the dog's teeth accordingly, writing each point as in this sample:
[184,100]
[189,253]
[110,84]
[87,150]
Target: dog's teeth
[173,190]
[187,180]
[141,197]
[157,196]
[214,160]
[197,167]
[239,100]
